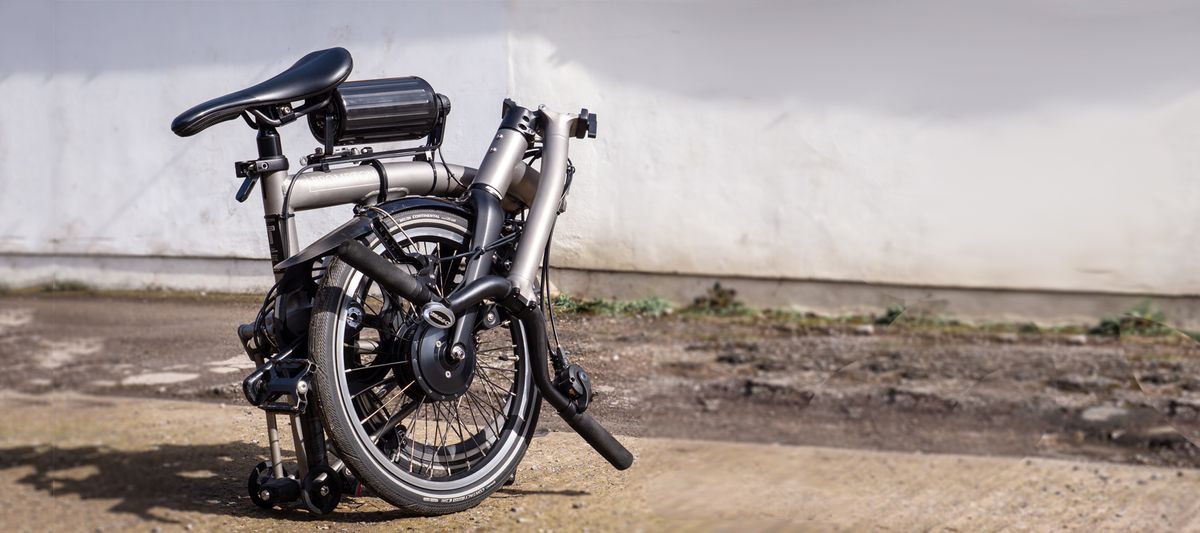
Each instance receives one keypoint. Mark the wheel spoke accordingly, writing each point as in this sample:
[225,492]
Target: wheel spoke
[513,370]
[444,440]
[373,367]
[394,420]
[386,390]
[383,404]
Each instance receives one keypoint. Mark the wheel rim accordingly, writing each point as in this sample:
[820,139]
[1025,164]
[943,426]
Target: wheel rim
[435,447]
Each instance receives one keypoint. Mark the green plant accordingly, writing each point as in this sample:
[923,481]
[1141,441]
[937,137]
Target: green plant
[891,315]
[1028,328]
[66,285]
[653,306]
[718,300]
[1144,320]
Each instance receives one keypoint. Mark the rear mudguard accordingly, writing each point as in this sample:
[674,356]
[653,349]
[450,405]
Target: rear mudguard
[300,265]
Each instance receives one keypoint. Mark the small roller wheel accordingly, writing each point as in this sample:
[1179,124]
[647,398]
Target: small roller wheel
[321,497]
[259,476]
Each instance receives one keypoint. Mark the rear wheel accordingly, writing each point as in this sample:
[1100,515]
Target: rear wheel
[428,427]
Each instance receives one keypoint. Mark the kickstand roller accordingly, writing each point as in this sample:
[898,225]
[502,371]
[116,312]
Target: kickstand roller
[280,386]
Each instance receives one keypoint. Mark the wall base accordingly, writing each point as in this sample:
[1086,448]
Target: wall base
[823,297]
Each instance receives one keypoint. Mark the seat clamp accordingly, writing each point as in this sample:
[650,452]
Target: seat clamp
[258,167]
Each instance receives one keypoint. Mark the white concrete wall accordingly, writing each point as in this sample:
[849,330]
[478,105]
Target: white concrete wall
[1018,144]
[1021,144]
[89,89]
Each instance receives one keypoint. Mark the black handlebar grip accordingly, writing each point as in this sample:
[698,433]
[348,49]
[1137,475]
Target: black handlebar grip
[384,272]
[601,440]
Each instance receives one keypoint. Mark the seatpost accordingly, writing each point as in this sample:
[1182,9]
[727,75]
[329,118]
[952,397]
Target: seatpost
[281,234]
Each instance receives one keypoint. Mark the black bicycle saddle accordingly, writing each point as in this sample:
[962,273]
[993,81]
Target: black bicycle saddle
[314,74]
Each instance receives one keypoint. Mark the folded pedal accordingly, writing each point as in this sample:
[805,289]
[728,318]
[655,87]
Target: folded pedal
[280,385]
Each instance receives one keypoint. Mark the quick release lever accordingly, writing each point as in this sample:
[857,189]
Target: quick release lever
[252,170]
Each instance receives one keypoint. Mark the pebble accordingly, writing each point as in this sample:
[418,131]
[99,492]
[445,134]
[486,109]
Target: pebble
[711,404]
[1006,338]
[577,505]
[864,329]
[616,357]
[1077,340]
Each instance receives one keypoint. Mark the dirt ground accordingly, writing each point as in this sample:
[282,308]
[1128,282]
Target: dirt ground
[736,422]
[84,463]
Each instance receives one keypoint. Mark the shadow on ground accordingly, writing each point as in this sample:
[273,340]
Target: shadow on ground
[207,479]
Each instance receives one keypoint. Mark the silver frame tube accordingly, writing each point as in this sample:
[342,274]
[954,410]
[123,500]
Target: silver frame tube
[543,212]
[502,173]
[360,184]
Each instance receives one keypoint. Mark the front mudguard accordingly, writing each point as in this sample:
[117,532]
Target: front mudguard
[299,266]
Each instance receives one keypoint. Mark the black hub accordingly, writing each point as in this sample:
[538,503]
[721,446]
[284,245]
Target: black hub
[442,371]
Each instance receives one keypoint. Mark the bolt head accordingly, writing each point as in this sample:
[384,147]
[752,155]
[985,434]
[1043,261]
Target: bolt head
[264,495]
[324,490]
[448,375]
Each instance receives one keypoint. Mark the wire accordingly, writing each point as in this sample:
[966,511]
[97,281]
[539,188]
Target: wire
[447,167]
[545,293]
[259,320]
[394,223]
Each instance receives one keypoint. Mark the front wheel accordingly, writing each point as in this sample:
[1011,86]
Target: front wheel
[428,427]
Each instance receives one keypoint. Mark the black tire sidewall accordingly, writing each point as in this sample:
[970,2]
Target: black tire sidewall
[323,326]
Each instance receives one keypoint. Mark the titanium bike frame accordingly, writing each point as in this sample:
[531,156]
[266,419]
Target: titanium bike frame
[502,183]
[502,174]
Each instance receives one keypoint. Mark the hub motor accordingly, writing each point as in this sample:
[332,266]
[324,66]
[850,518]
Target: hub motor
[441,371]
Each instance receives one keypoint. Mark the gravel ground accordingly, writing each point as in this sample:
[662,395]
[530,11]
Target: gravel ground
[84,463]
[909,387]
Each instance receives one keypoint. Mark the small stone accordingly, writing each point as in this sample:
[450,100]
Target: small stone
[616,357]
[515,510]
[577,505]
[1103,413]
[1077,340]
[864,329]
[522,520]
[711,404]
[1006,338]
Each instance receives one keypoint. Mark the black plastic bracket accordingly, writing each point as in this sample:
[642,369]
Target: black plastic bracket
[252,170]
[585,126]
